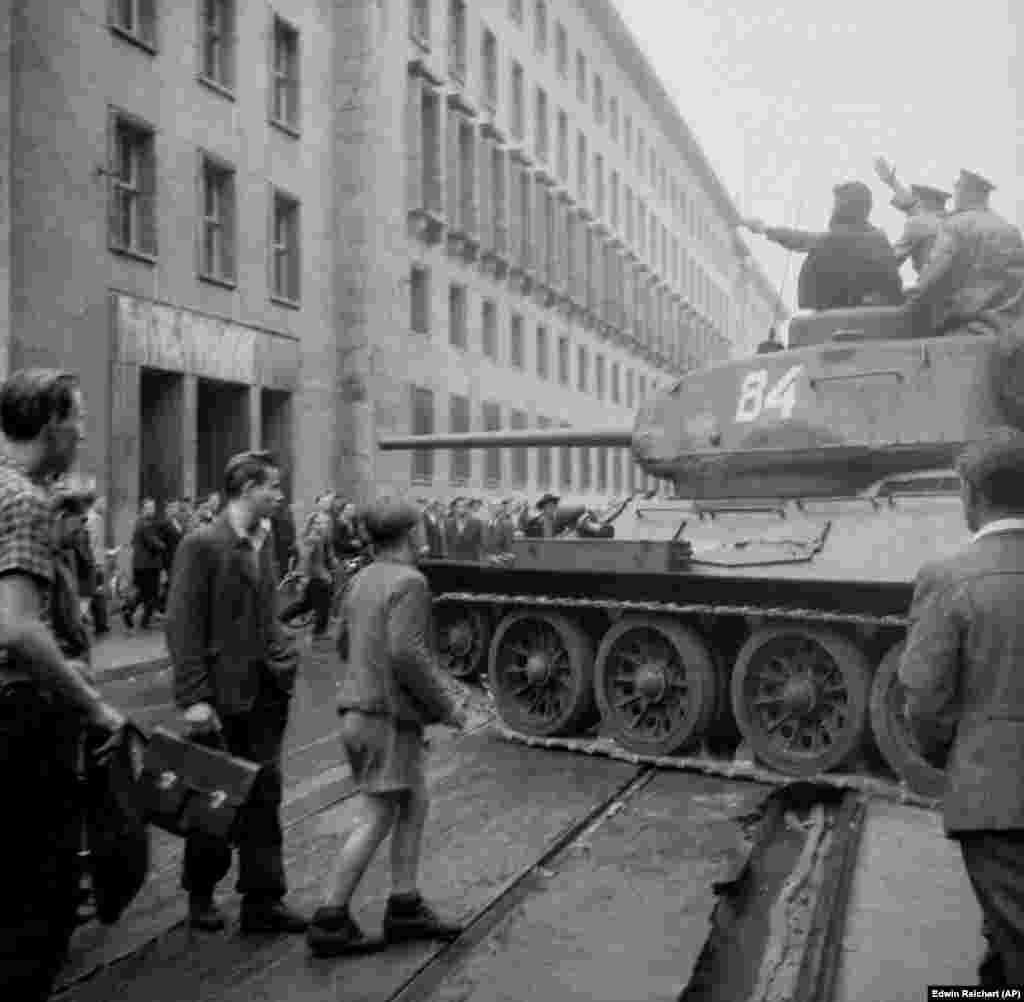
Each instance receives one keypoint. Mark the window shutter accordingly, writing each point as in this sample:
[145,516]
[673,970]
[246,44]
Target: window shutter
[452,168]
[228,44]
[113,236]
[147,195]
[295,82]
[229,235]
[147,21]
[294,252]
[414,140]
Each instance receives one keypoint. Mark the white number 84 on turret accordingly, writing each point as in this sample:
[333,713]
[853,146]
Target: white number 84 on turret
[756,397]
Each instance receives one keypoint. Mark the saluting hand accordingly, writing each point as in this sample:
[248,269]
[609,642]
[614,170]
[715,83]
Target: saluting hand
[885,171]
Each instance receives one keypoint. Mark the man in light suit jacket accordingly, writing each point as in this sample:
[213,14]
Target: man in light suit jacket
[234,672]
[964,676]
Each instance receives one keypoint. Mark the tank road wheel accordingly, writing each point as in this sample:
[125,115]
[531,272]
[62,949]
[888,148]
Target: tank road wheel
[463,633]
[656,685]
[800,697]
[541,670]
[892,734]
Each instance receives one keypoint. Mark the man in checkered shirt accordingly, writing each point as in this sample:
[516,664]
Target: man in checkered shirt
[44,699]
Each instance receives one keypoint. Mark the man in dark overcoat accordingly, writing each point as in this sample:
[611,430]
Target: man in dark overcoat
[463,534]
[965,690]
[234,673]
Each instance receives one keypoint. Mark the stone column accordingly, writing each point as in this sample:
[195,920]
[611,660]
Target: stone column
[255,417]
[189,434]
[370,210]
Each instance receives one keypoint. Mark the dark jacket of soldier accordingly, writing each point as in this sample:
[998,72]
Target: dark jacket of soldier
[852,264]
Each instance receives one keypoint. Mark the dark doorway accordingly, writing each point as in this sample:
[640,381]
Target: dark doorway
[161,459]
[276,432]
[222,415]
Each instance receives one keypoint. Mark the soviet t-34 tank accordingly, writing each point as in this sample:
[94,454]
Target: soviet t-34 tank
[772,590]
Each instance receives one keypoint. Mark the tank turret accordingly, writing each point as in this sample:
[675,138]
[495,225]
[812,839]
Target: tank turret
[858,396]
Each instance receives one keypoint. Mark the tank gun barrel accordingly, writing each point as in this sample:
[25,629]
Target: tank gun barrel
[610,437]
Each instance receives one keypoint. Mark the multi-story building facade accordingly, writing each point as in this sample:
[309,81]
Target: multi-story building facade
[302,225]
[169,230]
[545,243]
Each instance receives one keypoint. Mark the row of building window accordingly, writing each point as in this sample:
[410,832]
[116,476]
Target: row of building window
[133,211]
[136,21]
[619,388]
[599,469]
[481,185]
[638,149]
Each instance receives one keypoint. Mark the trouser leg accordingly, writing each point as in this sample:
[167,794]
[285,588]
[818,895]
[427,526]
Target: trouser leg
[38,746]
[320,599]
[260,836]
[208,858]
[995,866]
[148,583]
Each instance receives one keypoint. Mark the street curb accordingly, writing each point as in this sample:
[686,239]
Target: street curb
[136,669]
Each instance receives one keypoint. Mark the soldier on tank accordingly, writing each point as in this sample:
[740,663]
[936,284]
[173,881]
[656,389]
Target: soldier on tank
[924,221]
[974,279]
[925,209]
[850,264]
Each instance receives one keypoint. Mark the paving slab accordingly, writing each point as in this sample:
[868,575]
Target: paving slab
[496,807]
[912,920]
[625,911]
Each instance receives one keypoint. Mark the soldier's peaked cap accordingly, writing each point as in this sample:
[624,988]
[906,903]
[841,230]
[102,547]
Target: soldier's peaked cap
[1000,450]
[388,518]
[975,180]
[927,191]
[548,498]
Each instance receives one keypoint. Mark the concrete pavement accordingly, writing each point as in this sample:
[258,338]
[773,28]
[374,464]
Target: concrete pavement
[912,920]
[122,653]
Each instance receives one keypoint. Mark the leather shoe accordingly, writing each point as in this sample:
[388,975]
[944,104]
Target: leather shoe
[205,915]
[333,933]
[414,919]
[272,916]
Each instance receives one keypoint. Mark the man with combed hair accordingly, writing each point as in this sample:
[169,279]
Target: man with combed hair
[44,699]
[965,690]
[234,674]
[390,693]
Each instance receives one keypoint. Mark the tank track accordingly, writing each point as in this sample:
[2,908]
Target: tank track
[871,786]
[738,767]
[673,608]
